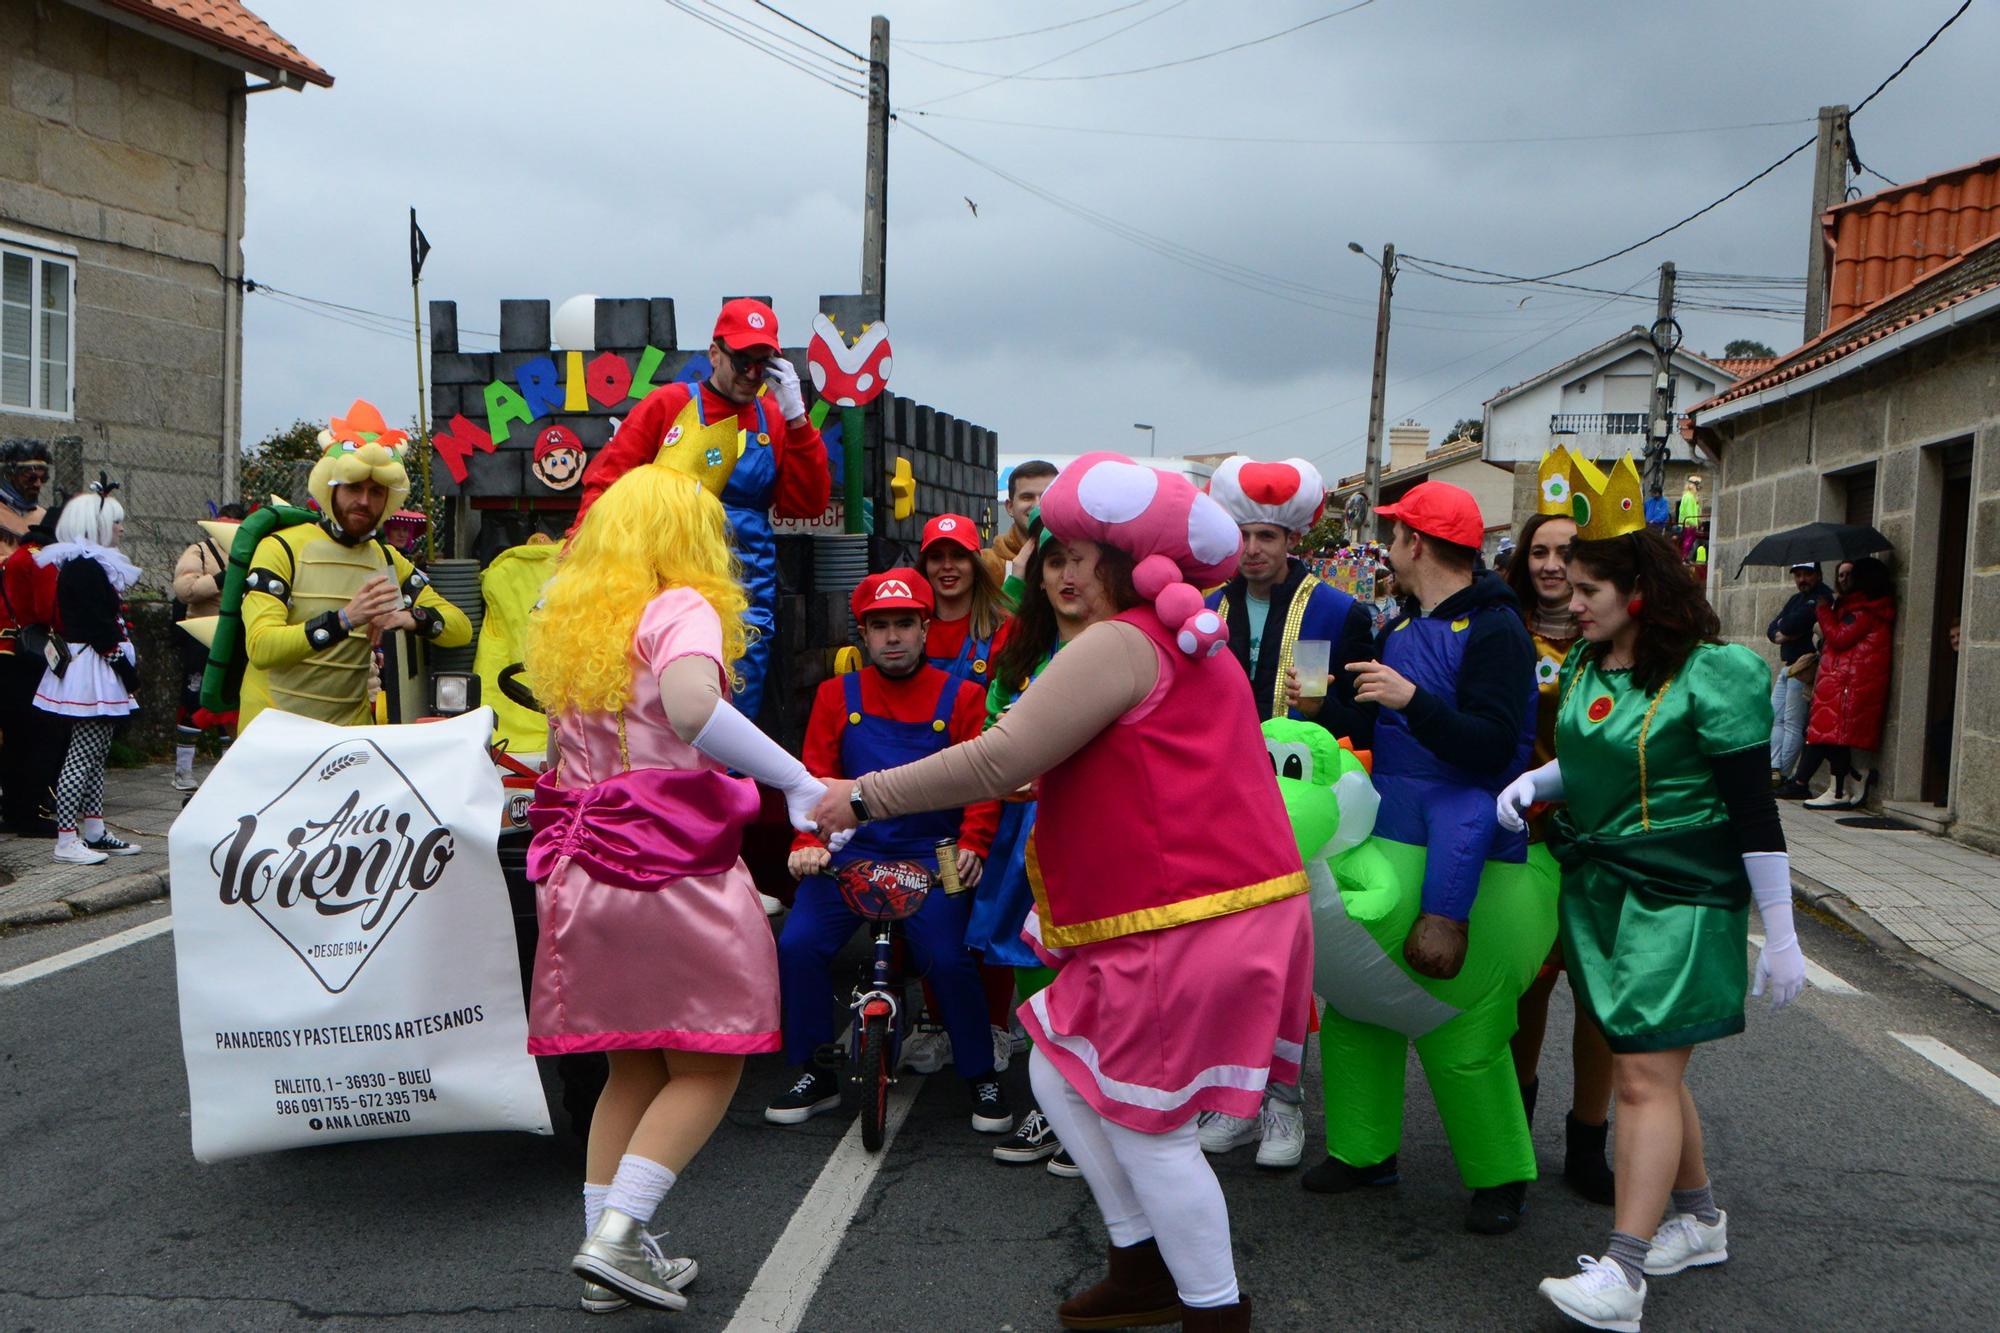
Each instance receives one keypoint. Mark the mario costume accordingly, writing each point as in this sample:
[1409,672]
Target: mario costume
[955,646]
[1290,495]
[781,468]
[1438,850]
[863,721]
[302,657]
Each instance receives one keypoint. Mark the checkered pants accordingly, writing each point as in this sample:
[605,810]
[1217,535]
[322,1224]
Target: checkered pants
[80,785]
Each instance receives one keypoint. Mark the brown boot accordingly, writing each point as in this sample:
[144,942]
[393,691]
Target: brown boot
[1138,1292]
[1218,1318]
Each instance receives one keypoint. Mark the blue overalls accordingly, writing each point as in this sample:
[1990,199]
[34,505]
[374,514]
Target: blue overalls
[820,922]
[1428,801]
[974,660]
[747,499]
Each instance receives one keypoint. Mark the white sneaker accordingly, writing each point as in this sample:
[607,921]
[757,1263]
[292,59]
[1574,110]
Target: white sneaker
[927,1050]
[1683,1242]
[184,779]
[1832,799]
[1599,1296]
[1284,1130]
[70,851]
[1225,1133]
[1003,1049]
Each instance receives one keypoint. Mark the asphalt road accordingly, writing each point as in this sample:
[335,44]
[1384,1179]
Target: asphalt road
[1863,1184]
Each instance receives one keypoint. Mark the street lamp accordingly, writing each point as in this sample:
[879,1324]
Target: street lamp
[1378,387]
[1152,436]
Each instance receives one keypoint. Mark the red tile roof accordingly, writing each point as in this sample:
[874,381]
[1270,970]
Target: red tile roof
[1944,286]
[230,26]
[1743,367]
[1883,242]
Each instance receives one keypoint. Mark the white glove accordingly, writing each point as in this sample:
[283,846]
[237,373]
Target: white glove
[1781,966]
[784,382]
[733,741]
[1537,784]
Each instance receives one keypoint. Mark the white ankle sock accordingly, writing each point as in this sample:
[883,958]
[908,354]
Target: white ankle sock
[183,759]
[93,827]
[638,1187]
[593,1205]
[67,838]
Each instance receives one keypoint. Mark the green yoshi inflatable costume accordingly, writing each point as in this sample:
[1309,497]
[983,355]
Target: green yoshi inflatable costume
[1365,895]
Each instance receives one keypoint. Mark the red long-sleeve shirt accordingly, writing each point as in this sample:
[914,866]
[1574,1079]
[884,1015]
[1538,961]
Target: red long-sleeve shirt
[804,481]
[913,698]
[30,595]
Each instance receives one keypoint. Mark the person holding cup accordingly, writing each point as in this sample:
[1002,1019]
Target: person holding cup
[1277,609]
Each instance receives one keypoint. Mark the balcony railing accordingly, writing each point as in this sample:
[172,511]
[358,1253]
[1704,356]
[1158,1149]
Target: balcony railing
[1603,423]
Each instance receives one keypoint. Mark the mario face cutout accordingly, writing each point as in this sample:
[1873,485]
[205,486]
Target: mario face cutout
[559,458]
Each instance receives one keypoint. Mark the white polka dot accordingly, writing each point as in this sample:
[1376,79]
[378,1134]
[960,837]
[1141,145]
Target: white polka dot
[884,369]
[1188,642]
[863,381]
[848,402]
[1207,622]
[1117,492]
[818,373]
[1212,534]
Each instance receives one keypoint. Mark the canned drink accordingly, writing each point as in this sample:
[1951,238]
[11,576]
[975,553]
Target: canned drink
[947,859]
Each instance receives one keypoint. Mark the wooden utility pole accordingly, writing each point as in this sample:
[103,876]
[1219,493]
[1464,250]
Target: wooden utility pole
[1660,424]
[875,197]
[1378,389]
[1829,189]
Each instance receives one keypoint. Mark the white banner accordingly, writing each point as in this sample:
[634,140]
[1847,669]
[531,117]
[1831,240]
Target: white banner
[344,943]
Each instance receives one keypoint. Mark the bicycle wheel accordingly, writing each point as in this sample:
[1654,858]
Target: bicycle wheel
[874,1077]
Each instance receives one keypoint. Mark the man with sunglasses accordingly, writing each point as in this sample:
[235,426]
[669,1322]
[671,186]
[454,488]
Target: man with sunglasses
[783,467]
[27,603]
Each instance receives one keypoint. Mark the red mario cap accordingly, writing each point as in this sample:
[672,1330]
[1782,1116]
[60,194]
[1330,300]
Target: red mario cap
[1441,510]
[746,323]
[951,528]
[892,590]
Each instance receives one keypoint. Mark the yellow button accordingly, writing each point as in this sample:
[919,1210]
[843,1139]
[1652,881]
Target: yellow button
[854,717]
[937,725]
[1459,626]
[763,438]
[979,667]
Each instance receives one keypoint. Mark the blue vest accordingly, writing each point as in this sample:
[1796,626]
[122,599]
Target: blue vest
[869,743]
[1429,652]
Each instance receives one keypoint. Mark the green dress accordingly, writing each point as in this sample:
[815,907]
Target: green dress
[1655,903]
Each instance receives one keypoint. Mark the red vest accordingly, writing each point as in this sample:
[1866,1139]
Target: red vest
[1172,819]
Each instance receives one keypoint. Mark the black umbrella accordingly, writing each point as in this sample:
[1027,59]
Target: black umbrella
[1817,542]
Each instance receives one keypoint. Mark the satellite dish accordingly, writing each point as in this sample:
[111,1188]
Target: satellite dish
[574,326]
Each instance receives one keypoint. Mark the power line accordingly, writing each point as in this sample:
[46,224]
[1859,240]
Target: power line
[1164,64]
[851,88]
[808,52]
[1353,143]
[1029,32]
[1026,69]
[1423,266]
[1711,207]
[814,31]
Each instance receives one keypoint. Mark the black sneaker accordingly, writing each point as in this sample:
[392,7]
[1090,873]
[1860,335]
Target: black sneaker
[1062,1164]
[815,1091]
[1497,1209]
[1792,790]
[111,845]
[1034,1140]
[989,1107]
[1334,1176]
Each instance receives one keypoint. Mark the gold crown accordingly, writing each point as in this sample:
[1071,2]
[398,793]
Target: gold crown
[1576,488]
[707,452]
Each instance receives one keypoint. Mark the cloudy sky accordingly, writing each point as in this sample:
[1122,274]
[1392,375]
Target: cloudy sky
[1166,246]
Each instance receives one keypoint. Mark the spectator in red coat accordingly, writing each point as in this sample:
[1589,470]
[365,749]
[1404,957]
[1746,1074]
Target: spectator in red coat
[1852,692]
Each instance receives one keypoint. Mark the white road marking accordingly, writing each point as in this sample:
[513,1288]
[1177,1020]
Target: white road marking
[21,976]
[778,1296]
[1820,978]
[1972,1075]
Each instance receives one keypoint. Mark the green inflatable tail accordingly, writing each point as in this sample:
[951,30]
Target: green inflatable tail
[222,678]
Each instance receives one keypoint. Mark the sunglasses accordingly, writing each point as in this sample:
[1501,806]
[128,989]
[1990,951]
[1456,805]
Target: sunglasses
[746,363]
[31,469]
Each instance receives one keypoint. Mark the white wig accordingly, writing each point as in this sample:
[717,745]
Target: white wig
[90,519]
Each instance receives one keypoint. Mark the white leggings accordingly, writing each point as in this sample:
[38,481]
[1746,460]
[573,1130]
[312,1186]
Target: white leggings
[1147,1185]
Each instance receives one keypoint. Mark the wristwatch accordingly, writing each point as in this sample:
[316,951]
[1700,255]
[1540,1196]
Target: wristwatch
[859,806]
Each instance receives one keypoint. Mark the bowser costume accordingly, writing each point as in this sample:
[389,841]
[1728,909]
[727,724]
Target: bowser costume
[1154,923]
[301,655]
[1290,495]
[1438,850]
[781,467]
[511,585]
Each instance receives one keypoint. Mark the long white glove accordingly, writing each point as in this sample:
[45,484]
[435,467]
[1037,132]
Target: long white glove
[1781,966]
[784,382]
[733,741]
[1537,784]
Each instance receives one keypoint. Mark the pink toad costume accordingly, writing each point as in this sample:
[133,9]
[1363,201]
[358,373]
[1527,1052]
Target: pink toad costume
[1173,903]
[652,934]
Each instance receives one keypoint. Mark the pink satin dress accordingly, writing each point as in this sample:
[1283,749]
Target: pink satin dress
[652,934]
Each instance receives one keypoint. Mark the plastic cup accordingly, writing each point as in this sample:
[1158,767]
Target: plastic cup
[1309,659]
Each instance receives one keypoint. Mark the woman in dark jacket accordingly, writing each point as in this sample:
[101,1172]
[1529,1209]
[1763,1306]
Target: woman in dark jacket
[1852,691]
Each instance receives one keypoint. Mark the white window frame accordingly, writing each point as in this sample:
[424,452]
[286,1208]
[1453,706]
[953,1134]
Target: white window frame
[38,252]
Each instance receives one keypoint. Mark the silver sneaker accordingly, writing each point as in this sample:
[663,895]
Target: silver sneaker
[619,1255]
[602,1300]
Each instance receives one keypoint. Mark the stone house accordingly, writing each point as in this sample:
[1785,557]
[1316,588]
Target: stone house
[121,228]
[1891,417]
